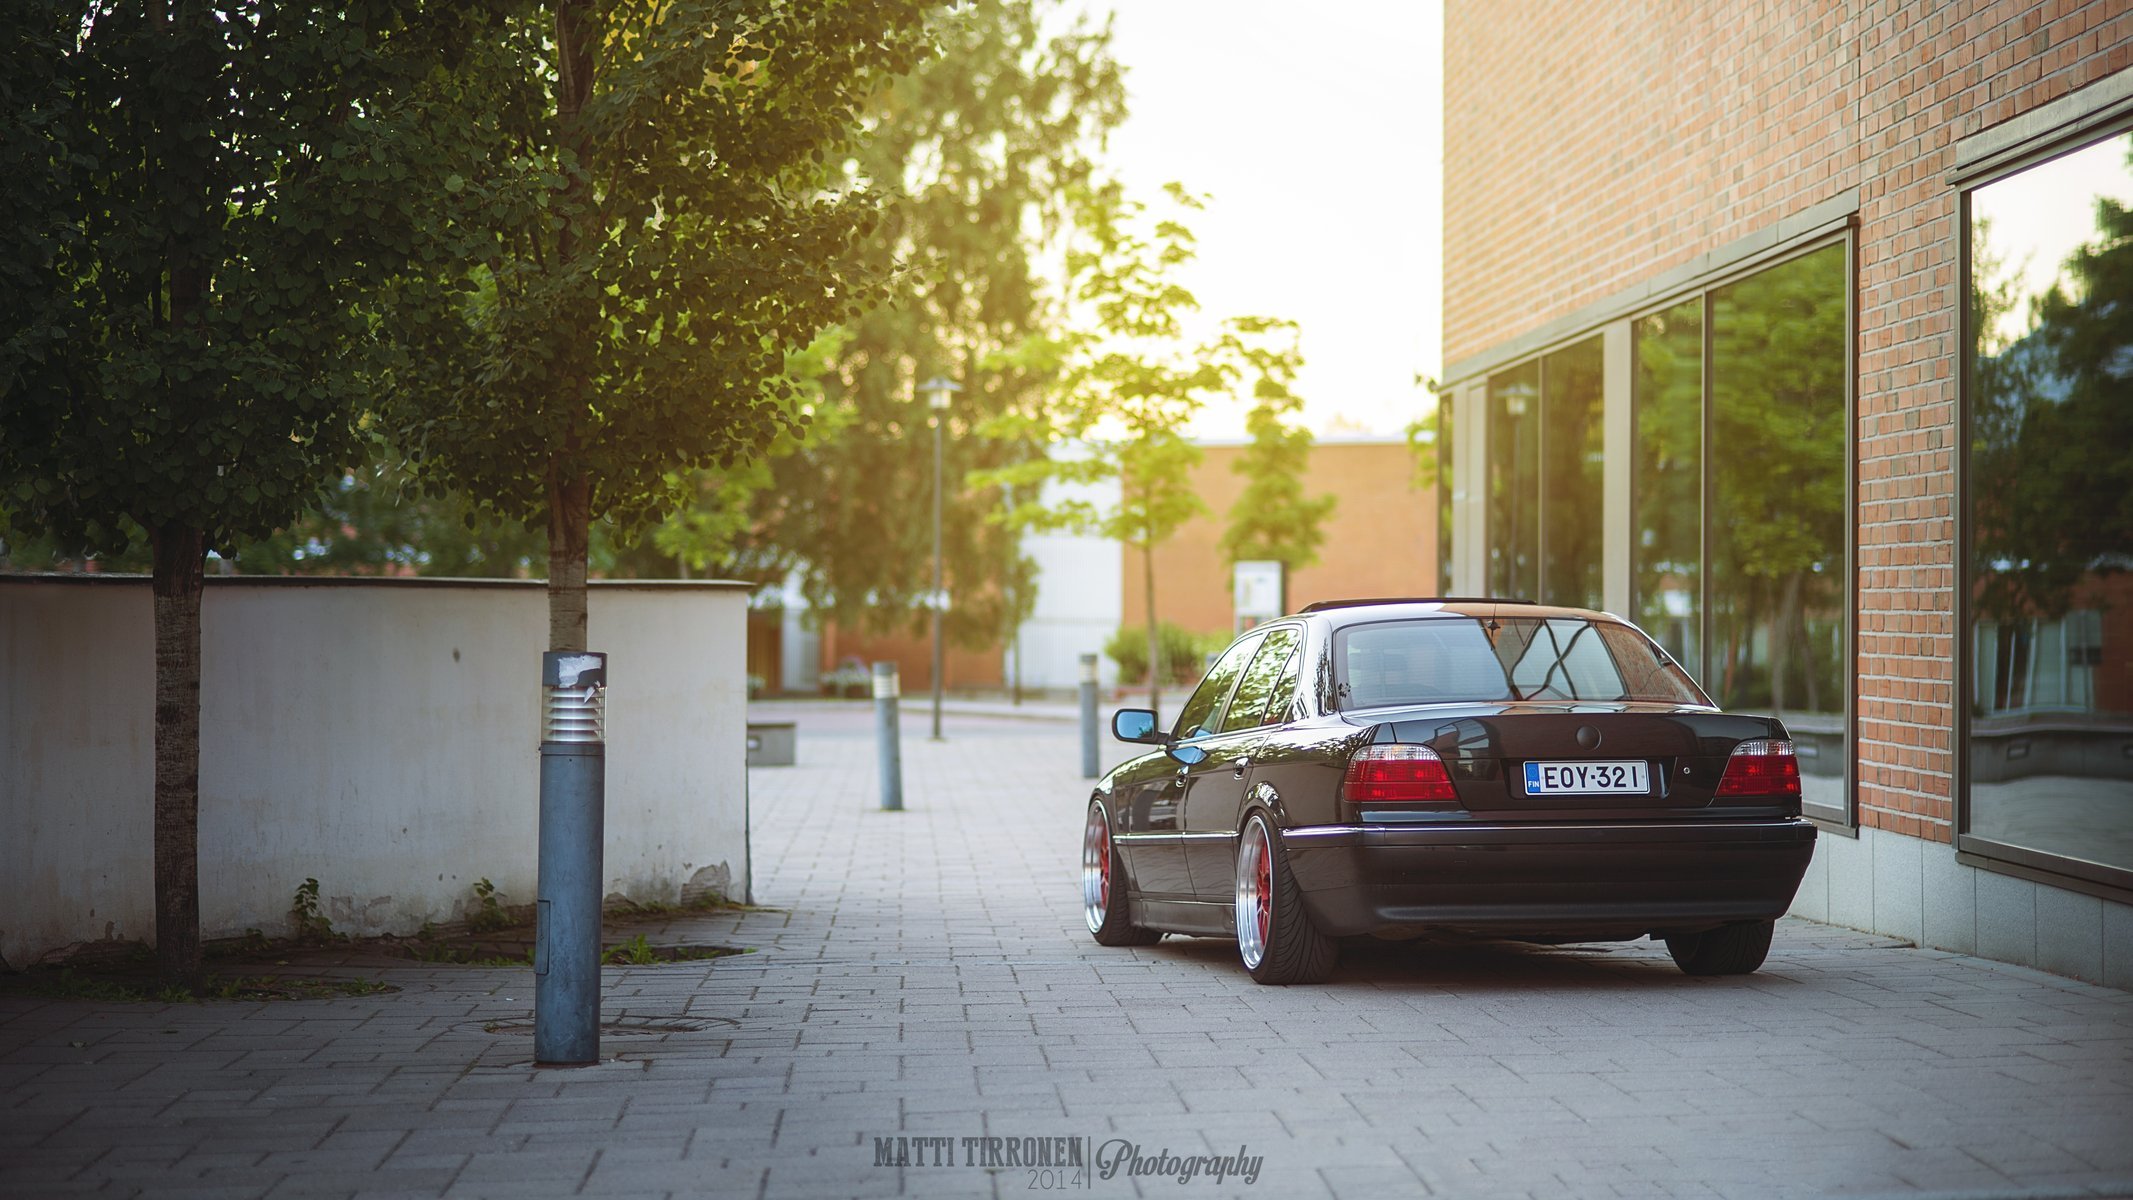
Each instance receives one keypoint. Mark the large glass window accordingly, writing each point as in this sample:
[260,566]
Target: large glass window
[1573,462]
[1739,506]
[2048,498]
[1444,494]
[1514,483]
[1666,543]
[1545,473]
[1778,593]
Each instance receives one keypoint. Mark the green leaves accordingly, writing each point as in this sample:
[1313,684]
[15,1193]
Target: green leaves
[979,146]
[1126,388]
[1272,518]
[180,341]
[651,244]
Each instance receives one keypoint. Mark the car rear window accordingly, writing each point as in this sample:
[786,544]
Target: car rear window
[1454,659]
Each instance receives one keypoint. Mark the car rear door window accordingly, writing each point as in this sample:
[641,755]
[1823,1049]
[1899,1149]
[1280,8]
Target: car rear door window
[1262,680]
[1203,713]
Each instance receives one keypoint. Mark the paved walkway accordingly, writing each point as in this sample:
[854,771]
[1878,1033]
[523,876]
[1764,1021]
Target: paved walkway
[924,975]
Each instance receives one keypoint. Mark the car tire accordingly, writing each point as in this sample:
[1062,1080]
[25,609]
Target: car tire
[1104,887]
[1736,949]
[1275,938]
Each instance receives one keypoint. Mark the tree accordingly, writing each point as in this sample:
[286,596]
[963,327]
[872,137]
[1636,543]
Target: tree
[1125,389]
[1272,518]
[981,145]
[374,520]
[651,230]
[717,514]
[201,200]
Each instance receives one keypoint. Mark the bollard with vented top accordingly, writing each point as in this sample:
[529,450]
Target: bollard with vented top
[566,954]
[1090,767]
[887,690]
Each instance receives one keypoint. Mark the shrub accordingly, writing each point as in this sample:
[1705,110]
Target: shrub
[1184,652]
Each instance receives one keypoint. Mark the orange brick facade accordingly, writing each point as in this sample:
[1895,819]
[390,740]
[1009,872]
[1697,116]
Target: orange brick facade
[1381,538]
[1589,147]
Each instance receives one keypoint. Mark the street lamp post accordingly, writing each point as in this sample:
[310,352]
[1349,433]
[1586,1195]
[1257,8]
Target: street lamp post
[938,390]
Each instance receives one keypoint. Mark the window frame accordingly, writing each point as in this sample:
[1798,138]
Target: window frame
[2004,858]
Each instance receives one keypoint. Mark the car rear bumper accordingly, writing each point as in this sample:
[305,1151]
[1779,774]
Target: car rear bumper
[1548,881]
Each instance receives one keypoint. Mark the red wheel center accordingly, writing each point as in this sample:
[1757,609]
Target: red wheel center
[1265,880]
[1103,869]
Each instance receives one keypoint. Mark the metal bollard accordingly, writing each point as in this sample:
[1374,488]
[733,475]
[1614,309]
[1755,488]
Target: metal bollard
[566,957]
[1088,717]
[886,691]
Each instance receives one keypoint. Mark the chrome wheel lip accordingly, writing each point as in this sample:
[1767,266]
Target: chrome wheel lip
[1096,868]
[1253,908]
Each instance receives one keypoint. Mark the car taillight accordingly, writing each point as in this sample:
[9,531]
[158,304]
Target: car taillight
[1761,767]
[1398,775]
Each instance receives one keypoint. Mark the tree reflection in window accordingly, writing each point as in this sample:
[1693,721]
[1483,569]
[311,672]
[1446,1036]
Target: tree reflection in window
[2049,495]
[1778,450]
[1666,481]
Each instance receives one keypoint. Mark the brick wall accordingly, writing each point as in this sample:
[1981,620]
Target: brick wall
[1381,539]
[1591,146]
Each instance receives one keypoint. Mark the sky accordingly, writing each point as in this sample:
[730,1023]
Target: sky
[2038,219]
[1316,130]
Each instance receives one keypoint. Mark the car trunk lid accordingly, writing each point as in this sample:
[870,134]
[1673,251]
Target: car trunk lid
[1498,753]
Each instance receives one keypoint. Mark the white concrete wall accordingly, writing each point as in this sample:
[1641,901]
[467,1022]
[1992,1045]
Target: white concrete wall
[377,735]
[1080,589]
[1907,888]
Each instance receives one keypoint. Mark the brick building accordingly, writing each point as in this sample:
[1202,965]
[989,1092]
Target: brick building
[1788,330]
[1380,538]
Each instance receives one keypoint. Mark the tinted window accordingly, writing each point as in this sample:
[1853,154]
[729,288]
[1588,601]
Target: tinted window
[1283,702]
[1203,713]
[1453,659]
[1646,669]
[1261,681]
[1561,660]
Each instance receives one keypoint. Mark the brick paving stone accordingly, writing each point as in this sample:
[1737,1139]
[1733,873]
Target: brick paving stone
[926,975]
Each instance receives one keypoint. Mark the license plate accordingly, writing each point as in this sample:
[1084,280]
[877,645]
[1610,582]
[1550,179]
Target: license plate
[1586,778]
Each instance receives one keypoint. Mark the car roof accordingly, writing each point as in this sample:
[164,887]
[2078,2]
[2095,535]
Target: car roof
[1355,612]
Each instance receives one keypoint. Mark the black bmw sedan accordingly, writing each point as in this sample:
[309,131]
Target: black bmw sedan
[1399,767]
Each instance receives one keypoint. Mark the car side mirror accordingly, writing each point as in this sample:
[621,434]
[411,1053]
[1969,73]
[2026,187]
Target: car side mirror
[1136,725]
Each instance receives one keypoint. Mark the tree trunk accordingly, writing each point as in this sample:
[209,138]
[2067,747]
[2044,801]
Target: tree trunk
[180,559]
[569,529]
[1809,652]
[1155,638]
[1781,646]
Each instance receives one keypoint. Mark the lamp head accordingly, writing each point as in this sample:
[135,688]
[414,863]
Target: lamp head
[937,391]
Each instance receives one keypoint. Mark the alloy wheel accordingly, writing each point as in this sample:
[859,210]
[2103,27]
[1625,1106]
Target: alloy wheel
[1096,869]
[1255,891]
